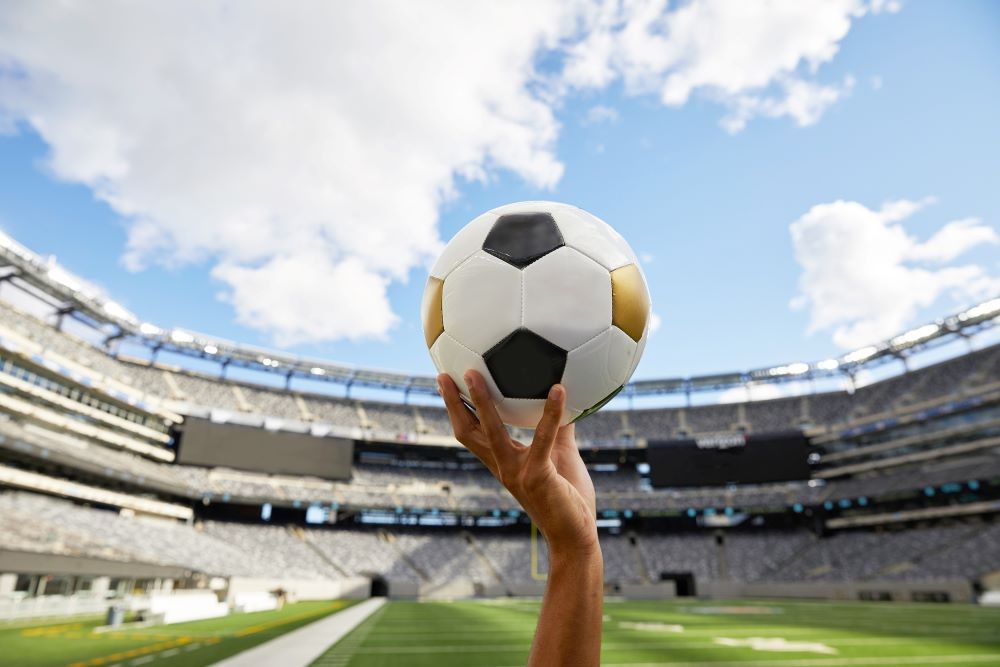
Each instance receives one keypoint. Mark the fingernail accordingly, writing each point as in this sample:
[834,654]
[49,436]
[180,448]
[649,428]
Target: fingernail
[556,392]
[468,378]
[440,385]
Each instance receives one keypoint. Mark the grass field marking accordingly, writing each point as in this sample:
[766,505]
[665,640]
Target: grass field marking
[993,658]
[254,629]
[340,653]
[634,644]
[776,644]
[131,653]
[50,629]
[535,574]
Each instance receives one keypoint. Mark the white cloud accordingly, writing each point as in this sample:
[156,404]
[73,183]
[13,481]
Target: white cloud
[803,101]
[298,149]
[755,58]
[865,277]
[600,114]
[276,141]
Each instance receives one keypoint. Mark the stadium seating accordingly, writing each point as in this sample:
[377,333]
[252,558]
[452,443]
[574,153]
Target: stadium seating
[874,415]
[30,522]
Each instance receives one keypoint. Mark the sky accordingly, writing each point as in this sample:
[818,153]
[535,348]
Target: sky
[799,177]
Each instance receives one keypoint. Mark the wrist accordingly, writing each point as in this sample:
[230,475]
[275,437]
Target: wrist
[575,552]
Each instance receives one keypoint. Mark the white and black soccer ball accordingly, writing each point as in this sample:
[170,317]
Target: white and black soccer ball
[532,294]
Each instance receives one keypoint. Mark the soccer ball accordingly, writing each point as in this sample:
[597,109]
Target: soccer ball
[532,294]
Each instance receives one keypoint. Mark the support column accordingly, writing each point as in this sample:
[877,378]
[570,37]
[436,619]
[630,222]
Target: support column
[99,586]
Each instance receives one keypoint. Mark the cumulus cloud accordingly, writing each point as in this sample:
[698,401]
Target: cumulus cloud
[756,58]
[600,114]
[864,276]
[303,151]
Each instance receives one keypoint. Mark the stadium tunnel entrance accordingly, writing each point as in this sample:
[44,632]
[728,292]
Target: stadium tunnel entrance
[379,588]
[683,583]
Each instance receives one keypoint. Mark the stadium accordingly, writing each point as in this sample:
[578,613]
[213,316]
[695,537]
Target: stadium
[558,333]
[172,475]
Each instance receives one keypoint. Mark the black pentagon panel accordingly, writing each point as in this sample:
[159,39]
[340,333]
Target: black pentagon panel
[521,238]
[597,406]
[525,365]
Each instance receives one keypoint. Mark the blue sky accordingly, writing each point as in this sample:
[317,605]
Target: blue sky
[710,210]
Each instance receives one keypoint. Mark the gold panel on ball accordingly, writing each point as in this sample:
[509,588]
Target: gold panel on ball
[629,301]
[431,311]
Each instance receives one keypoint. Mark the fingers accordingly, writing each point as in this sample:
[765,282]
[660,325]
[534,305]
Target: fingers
[548,426]
[485,410]
[462,421]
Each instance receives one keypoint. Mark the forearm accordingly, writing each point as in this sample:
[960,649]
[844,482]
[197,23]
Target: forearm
[569,626]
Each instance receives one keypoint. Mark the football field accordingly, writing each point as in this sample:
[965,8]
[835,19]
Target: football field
[498,634]
[75,643]
[704,633]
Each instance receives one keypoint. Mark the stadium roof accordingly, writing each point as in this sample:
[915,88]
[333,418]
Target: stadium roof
[73,295]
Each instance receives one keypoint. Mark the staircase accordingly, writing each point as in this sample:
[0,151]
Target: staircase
[765,576]
[403,556]
[300,534]
[640,563]
[478,550]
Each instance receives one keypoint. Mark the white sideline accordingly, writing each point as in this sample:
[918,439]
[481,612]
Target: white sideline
[301,647]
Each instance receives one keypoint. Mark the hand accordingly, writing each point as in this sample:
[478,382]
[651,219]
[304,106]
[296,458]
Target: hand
[548,478]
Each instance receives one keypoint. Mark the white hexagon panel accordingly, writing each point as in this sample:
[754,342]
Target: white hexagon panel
[481,301]
[594,238]
[446,352]
[467,241]
[597,368]
[567,298]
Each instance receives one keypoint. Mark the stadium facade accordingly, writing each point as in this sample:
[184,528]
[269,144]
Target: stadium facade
[135,458]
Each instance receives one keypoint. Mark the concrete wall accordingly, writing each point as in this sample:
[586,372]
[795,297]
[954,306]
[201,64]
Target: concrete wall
[26,562]
[900,591]
[50,605]
[665,590]
[404,590]
[303,589]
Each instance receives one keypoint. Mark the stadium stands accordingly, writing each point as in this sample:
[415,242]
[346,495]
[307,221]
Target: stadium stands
[41,524]
[872,429]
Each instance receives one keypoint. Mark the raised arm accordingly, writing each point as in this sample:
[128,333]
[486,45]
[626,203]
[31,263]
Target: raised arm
[552,484]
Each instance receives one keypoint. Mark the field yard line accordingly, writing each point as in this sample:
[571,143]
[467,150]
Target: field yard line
[300,647]
[340,653]
[821,662]
[620,646]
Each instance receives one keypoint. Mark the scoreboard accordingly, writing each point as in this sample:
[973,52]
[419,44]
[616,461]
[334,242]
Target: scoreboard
[732,458]
[205,443]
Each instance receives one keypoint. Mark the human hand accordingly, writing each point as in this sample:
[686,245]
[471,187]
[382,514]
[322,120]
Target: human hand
[548,479]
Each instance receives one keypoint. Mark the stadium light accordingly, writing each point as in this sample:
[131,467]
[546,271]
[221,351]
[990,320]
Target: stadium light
[179,336]
[148,329]
[211,349]
[316,370]
[828,365]
[986,309]
[861,354]
[63,277]
[118,311]
[915,336]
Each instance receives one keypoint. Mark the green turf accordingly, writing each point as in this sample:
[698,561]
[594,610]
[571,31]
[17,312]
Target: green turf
[74,642]
[498,634]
